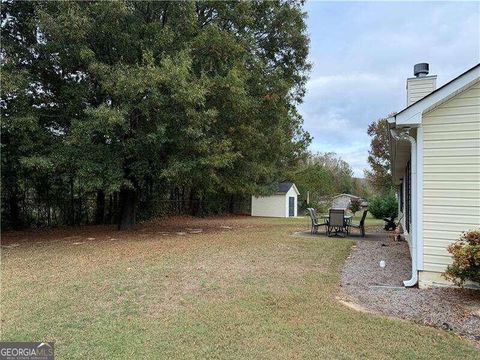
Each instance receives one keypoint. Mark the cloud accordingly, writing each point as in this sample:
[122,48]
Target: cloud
[362,54]
[327,81]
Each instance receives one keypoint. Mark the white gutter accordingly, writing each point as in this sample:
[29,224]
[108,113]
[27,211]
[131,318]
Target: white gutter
[399,135]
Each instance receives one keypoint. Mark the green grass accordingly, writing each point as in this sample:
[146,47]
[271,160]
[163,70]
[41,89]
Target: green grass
[251,292]
[369,220]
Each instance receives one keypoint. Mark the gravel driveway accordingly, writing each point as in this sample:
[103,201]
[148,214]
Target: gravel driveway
[379,290]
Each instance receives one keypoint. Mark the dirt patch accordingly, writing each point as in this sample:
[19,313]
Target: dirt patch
[177,226]
[352,305]
[377,289]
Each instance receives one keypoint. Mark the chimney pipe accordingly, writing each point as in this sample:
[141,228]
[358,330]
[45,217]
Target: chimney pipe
[420,70]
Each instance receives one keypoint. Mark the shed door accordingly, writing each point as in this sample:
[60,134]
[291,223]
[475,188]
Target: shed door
[291,206]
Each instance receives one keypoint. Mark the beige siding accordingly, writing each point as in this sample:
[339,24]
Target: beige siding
[451,180]
[271,206]
[418,88]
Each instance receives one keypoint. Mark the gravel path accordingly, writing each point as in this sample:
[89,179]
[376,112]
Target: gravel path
[379,290]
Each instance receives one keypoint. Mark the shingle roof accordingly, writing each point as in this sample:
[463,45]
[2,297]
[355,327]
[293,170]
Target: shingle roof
[283,187]
[349,195]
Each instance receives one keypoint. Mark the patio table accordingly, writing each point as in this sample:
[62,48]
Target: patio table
[348,218]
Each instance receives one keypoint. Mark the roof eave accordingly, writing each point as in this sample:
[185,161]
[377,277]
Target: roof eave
[392,142]
[296,190]
[412,115]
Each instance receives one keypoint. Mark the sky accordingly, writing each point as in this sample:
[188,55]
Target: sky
[362,54]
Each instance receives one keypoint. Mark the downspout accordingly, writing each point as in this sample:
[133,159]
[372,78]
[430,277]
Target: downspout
[399,135]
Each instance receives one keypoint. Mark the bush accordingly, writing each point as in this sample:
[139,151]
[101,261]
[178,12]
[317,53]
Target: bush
[466,258]
[381,206]
[319,206]
[355,205]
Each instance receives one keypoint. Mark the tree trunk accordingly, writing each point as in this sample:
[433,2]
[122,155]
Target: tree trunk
[193,203]
[115,218]
[80,207]
[128,200]
[100,207]
[182,204]
[108,217]
[231,204]
[49,213]
[15,220]
[201,209]
[178,205]
[71,217]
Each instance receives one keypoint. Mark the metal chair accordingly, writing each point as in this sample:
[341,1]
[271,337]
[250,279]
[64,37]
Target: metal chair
[336,222]
[361,224]
[314,219]
[324,223]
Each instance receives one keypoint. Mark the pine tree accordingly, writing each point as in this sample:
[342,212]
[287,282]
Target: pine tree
[129,96]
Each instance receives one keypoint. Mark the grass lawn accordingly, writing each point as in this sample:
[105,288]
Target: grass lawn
[247,290]
[369,220]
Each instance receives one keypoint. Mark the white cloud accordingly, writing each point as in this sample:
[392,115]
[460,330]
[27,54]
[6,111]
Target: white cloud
[363,52]
[343,79]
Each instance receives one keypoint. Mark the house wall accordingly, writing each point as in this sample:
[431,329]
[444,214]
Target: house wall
[451,177]
[271,206]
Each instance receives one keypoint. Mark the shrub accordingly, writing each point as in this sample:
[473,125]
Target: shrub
[355,205]
[381,206]
[466,258]
[320,206]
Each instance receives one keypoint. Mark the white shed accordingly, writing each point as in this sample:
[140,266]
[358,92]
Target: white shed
[281,204]
[342,201]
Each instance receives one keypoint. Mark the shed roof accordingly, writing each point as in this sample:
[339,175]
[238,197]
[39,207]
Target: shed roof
[285,186]
[348,195]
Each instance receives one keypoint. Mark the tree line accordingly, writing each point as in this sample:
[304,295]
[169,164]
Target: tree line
[379,175]
[112,109]
[324,175]
[384,203]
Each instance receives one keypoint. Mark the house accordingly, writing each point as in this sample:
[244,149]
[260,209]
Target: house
[435,164]
[342,201]
[283,203]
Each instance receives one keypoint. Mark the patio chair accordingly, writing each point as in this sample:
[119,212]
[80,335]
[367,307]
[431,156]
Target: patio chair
[325,220]
[314,219]
[361,224]
[336,222]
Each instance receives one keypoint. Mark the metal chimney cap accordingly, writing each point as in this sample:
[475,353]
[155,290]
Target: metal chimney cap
[421,70]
